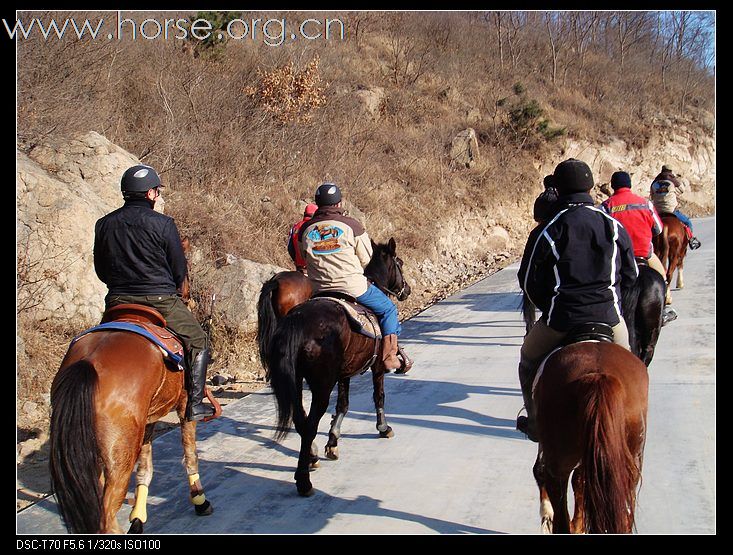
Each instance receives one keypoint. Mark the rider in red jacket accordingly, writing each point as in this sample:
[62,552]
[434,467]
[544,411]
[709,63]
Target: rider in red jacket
[293,250]
[639,218]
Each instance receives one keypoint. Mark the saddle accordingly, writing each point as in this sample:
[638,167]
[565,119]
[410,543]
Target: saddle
[591,331]
[146,321]
[362,320]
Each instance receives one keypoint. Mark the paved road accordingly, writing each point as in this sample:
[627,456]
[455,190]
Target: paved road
[456,465]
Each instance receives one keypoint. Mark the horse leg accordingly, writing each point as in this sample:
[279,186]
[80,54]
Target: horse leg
[119,460]
[577,526]
[680,278]
[191,463]
[546,512]
[342,407]
[308,430]
[557,490]
[143,476]
[378,380]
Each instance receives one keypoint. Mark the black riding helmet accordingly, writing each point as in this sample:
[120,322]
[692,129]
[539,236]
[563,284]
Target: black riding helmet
[328,194]
[139,179]
[572,176]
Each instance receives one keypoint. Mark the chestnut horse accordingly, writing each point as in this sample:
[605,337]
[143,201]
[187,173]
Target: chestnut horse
[110,390]
[591,401]
[671,247]
[278,296]
[315,342]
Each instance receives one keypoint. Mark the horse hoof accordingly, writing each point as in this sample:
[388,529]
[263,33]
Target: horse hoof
[387,433]
[332,453]
[136,526]
[204,509]
[314,465]
[305,491]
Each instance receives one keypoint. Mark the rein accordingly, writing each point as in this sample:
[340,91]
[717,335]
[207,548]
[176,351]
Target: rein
[387,290]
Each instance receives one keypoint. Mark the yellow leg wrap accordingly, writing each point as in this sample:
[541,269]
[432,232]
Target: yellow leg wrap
[141,499]
[199,498]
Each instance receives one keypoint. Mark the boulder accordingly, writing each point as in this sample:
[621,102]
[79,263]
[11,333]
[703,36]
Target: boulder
[371,101]
[61,191]
[464,149]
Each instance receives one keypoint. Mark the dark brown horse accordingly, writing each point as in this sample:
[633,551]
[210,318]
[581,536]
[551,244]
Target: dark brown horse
[315,342]
[671,247]
[591,402]
[643,309]
[110,390]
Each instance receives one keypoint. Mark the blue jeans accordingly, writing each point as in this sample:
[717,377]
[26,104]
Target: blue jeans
[383,307]
[684,219]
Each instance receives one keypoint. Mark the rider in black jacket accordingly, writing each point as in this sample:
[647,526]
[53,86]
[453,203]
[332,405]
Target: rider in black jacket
[573,273]
[139,256]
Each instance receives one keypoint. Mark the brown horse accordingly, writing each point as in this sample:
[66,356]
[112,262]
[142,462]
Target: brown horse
[316,343]
[278,296]
[671,247]
[110,390]
[591,401]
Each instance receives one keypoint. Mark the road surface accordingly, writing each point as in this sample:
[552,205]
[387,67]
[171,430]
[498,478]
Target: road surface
[456,464]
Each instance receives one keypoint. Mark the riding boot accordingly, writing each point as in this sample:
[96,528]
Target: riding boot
[694,243]
[407,361]
[196,409]
[527,424]
[389,352]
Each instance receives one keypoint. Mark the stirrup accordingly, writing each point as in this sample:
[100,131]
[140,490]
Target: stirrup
[669,315]
[694,243]
[200,411]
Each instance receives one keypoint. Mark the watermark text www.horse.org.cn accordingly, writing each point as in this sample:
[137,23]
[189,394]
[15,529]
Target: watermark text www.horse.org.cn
[270,31]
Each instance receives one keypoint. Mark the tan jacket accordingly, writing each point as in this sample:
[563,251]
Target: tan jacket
[664,191]
[336,249]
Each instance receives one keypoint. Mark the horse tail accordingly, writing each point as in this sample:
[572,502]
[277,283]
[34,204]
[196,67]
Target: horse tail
[266,322]
[664,248]
[287,342]
[609,467]
[74,460]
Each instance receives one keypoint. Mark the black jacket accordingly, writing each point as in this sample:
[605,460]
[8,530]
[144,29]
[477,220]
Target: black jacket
[137,251]
[576,266]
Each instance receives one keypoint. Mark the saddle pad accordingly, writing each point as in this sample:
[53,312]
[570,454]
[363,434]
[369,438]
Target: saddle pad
[544,360]
[162,337]
[362,322]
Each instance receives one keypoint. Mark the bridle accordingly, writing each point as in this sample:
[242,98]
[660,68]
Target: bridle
[401,277]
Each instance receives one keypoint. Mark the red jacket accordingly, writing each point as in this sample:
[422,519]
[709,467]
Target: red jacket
[638,217]
[293,248]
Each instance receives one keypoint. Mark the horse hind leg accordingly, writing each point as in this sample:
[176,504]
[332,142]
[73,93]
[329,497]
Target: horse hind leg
[557,491]
[680,277]
[342,407]
[577,526]
[143,476]
[546,512]
[308,428]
